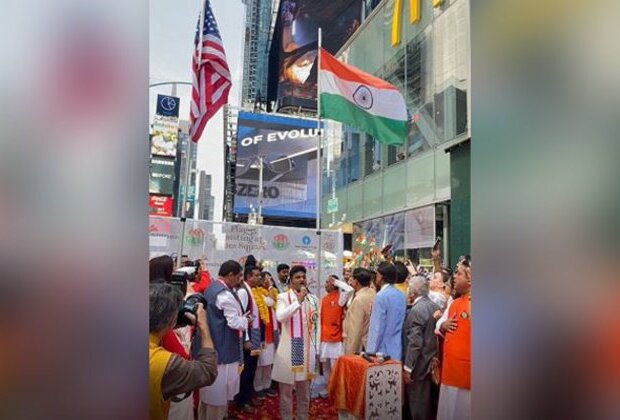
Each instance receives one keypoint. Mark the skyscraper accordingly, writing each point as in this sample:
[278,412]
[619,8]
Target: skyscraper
[205,197]
[180,171]
[256,52]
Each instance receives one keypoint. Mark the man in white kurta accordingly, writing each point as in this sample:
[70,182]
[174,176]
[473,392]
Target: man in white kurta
[295,361]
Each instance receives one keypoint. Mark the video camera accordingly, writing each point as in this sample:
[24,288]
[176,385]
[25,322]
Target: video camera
[179,279]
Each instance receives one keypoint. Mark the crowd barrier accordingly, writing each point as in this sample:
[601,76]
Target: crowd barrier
[220,241]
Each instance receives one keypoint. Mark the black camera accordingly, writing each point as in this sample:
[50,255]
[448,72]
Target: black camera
[189,270]
[190,306]
[179,279]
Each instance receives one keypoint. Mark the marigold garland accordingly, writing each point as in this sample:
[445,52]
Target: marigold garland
[259,293]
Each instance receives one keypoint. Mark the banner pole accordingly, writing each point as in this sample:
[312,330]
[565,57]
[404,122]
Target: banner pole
[318,164]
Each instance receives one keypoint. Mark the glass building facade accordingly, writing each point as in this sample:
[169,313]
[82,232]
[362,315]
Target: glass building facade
[401,195]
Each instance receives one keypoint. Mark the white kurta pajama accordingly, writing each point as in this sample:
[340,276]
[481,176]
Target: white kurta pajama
[282,365]
[287,312]
[226,385]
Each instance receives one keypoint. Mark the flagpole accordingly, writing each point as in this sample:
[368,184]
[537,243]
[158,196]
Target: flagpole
[318,161]
[188,169]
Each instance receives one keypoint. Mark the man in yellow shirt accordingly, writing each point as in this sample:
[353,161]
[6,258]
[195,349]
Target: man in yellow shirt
[169,374]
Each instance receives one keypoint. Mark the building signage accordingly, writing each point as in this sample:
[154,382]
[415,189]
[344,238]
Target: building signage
[168,106]
[162,176]
[332,205]
[160,206]
[414,16]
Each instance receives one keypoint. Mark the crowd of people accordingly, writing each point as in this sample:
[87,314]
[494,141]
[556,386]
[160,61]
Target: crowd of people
[253,336]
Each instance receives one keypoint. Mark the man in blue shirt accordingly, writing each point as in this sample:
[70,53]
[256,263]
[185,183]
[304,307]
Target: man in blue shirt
[387,315]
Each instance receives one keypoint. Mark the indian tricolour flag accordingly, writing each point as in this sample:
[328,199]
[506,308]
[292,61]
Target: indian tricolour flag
[361,100]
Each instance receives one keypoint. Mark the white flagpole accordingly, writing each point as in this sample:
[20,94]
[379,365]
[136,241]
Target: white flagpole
[318,163]
[188,155]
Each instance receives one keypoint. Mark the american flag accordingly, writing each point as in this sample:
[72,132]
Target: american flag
[211,76]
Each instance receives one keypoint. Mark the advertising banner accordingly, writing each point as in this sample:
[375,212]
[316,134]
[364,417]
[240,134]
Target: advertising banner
[388,230]
[217,242]
[165,136]
[420,225]
[160,206]
[161,180]
[294,48]
[288,149]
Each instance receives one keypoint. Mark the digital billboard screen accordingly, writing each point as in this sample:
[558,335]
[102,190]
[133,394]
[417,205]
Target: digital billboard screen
[165,136]
[294,48]
[288,149]
[161,179]
[160,206]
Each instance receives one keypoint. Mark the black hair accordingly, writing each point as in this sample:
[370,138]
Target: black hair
[230,266]
[265,274]
[387,271]
[446,274]
[160,268]
[296,269]
[401,272]
[362,276]
[250,261]
[282,267]
[165,300]
[334,276]
[247,271]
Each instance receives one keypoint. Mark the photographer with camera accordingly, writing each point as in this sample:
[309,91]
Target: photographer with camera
[170,374]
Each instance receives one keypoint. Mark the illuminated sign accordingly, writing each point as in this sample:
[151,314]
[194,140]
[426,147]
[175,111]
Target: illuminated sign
[414,16]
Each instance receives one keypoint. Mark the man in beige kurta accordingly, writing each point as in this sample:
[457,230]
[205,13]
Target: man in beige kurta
[295,361]
[357,317]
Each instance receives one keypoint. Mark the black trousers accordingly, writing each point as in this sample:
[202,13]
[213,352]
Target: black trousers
[246,386]
[422,399]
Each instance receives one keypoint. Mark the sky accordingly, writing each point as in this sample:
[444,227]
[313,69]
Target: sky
[172,30]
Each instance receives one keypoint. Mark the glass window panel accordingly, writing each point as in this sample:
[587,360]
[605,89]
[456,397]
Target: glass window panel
[394,189]
[373,195]
[354,202]
[420,180]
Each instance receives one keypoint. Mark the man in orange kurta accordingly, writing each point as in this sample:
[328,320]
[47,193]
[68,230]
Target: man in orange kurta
[331,325]
[454,395]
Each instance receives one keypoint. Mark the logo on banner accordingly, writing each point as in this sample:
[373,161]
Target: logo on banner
[306,240]
[195,236]
[168,103]
[280,242]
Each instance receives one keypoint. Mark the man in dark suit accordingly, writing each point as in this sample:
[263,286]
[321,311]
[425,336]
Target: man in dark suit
[419,348]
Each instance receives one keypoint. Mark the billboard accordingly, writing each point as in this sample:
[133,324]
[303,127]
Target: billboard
[165,136]
[288,148]
[160,206]
[161,180]
[294,48]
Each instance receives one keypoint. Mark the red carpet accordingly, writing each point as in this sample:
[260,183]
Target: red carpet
[269,408]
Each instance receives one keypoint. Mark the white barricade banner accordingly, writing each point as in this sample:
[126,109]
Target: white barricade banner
[217,242]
